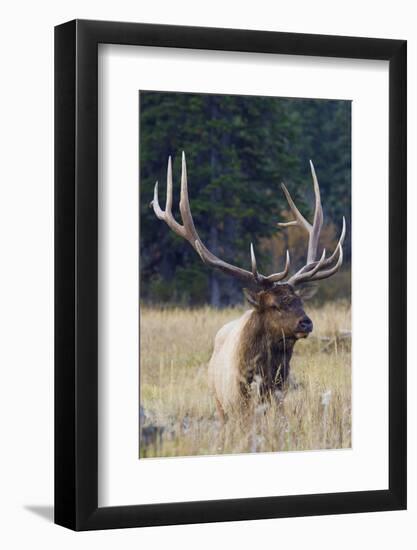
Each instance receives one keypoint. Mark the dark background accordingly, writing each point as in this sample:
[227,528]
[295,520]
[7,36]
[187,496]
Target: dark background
[239,149]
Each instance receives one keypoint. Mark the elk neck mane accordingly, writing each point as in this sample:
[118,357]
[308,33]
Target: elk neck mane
[263,351]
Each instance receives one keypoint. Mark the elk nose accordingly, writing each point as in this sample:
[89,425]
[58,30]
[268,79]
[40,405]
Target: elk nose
[306,324]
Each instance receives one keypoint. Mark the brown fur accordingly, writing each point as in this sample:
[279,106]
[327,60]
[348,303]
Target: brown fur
[268,339]
[257,348]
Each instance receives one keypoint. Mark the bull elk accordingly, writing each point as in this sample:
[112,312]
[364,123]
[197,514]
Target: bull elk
[259,345]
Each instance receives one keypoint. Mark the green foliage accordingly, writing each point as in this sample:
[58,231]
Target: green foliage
[239,149]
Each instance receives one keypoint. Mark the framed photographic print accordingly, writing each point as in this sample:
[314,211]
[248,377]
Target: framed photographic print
[230,275]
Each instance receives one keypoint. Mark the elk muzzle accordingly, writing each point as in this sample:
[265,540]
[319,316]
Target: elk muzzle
[304,327]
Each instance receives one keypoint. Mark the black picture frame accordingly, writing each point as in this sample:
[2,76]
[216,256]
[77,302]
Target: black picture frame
[76,272]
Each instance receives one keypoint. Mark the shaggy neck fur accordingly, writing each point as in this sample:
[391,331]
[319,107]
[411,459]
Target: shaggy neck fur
[264,355]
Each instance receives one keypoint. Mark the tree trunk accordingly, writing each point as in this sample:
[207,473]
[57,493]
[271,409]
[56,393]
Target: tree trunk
[232,291]
[215,298]
[215,294]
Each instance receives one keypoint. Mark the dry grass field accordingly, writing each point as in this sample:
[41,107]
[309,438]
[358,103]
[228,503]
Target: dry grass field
[177,413]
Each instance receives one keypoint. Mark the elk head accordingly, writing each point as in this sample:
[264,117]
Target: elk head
[277,302]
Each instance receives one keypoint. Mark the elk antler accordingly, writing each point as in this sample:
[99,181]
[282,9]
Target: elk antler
[313,269]
[188,232]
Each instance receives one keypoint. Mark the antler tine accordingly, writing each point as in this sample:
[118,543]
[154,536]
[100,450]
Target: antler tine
[331,258]
[185,204]
[275,277]
[155,203]
[302,275]
[314,271]
[253,263]
[312,230]
[299,218]
[167,214]
[328,272]
[313,241]
[168,203]
[340,242]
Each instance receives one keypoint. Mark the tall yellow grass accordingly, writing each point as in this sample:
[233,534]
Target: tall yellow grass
[178,416]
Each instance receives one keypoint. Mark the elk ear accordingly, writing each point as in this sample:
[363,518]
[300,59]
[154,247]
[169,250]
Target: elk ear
[307,291]
[252,297]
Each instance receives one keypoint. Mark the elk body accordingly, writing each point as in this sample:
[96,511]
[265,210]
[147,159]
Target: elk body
[258,346]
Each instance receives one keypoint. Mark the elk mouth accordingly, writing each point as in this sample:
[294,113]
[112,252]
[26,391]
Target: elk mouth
[304,327]
[300,335]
